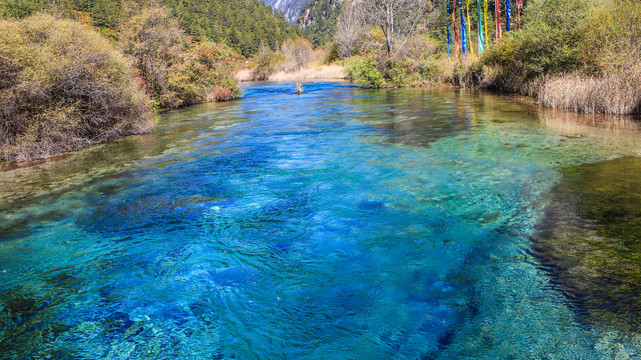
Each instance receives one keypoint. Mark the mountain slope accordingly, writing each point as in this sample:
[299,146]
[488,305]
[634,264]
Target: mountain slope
[318,19]
[291,9]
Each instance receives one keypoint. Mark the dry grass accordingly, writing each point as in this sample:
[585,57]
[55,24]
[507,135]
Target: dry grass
[333,71]
[616,93]
[244,74]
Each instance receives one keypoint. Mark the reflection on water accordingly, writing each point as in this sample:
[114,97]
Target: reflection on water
[578,123]
[342,223]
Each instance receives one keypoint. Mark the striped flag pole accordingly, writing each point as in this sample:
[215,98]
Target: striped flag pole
[519,8]
[499,29]
[463,28]
[508,15]
[447,23]
[457,42]
[469,28]
[481,37]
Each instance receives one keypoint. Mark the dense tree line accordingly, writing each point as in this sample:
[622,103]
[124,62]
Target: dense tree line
[244,25]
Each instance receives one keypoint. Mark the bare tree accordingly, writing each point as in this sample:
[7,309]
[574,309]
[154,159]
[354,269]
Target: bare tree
[298,50]
[348,26]
[398,19]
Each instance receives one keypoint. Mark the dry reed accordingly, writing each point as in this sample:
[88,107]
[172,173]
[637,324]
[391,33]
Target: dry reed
[616,93]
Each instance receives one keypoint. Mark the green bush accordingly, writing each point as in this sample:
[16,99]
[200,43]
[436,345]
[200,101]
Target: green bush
[19,9]
[364,72]
[63,87]
[611,35]
[430,70]
[538,51]
[331,54]
[403,73]
[468,73]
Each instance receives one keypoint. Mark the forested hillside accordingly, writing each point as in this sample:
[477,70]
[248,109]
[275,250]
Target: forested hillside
[242,24]
[318,20]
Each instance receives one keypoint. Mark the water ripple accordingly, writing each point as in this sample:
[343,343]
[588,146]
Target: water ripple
[342,223]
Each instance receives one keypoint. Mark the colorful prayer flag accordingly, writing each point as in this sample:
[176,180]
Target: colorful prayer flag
[481,37]
[519,8]
[469,28]
[499,28]
[456,38]
[485,6]
[447,23]
[463,28]
[508,15]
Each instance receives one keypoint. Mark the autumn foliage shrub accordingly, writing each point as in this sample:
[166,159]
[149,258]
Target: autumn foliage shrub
[203,70]
[299,53]
[220,93]
[175,71]
[266,62]
[63,87]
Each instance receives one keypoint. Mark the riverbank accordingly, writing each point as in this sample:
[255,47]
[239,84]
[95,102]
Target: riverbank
[65,86]
[613,92]
[310,72]
[559,56]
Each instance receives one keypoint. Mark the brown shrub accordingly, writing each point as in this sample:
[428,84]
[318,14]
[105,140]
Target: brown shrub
[154,41]
[63,87]
[299,52]
[266,62]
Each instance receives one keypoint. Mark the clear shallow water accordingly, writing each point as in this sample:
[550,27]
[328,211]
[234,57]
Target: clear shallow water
[341,224]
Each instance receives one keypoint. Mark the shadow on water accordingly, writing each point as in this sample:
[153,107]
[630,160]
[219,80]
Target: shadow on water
[590,240]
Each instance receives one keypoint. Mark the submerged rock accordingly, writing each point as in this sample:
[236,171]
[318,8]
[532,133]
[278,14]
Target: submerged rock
[590,241]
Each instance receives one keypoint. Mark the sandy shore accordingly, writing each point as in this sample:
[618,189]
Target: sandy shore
[333,71]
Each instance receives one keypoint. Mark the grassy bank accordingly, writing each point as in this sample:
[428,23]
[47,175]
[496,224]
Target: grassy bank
[580,55]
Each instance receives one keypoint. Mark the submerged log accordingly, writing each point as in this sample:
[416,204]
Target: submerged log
[299,88]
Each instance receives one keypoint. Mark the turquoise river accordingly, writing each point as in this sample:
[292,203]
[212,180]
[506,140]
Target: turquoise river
[343,223]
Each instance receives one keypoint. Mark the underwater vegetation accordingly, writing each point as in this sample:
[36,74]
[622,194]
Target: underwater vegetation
[590,240]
